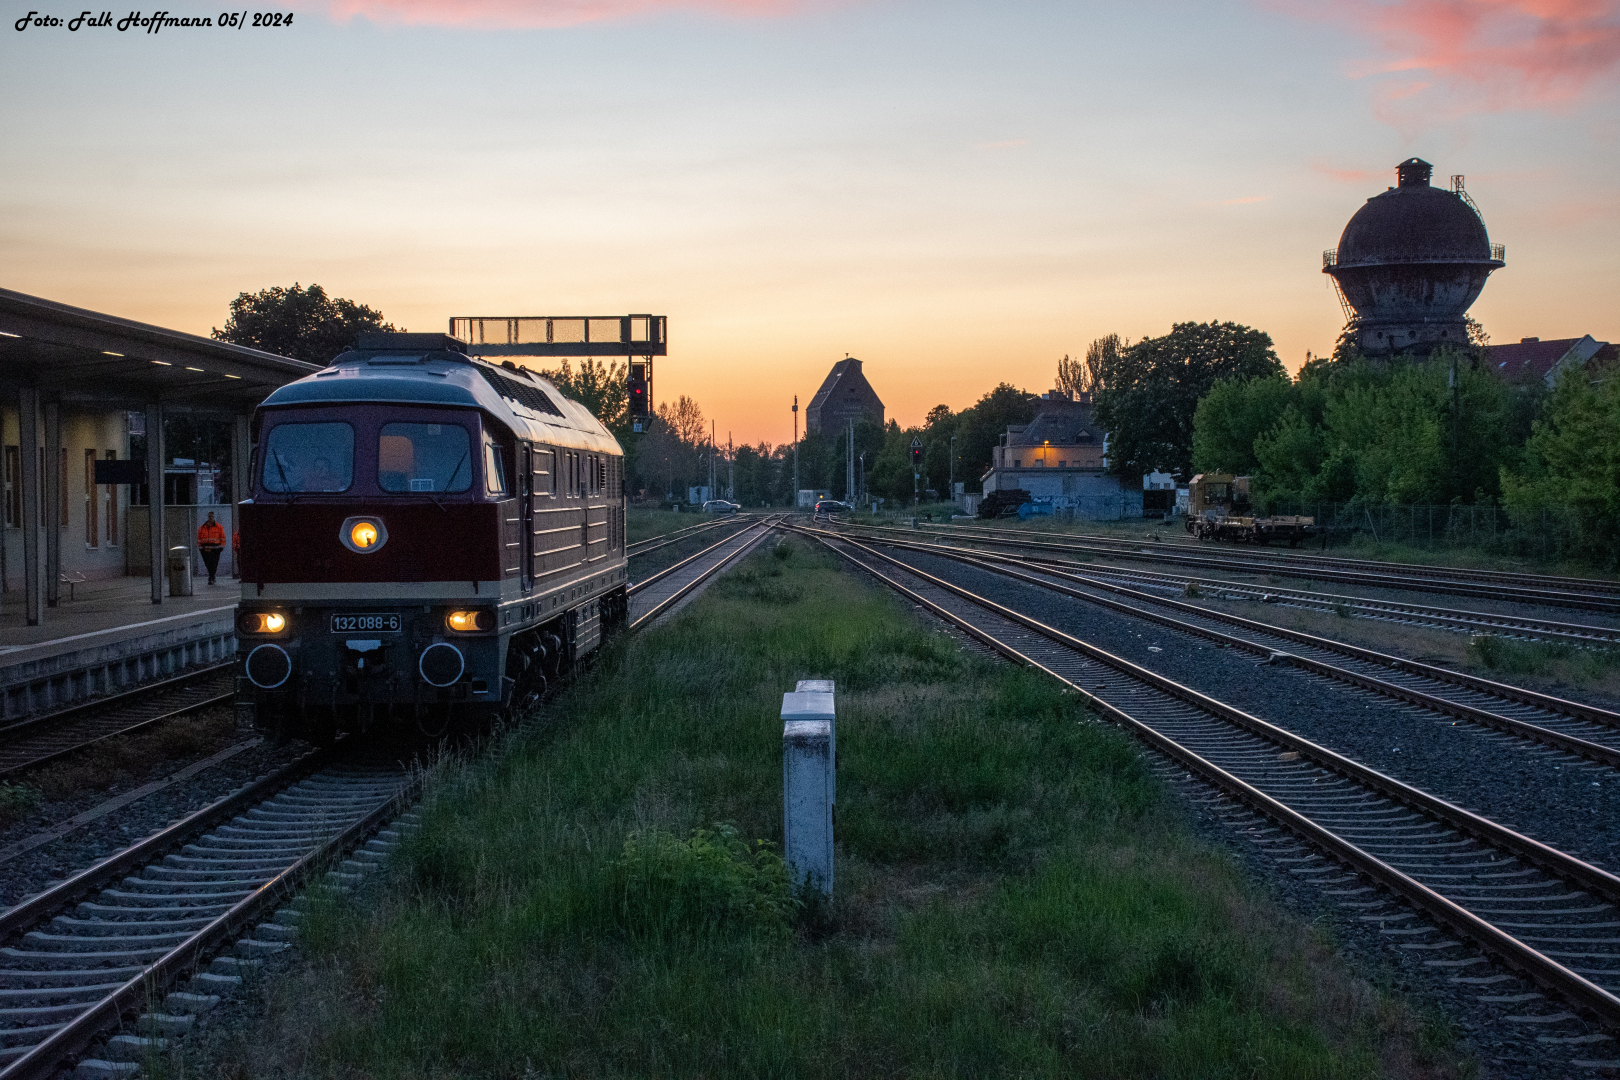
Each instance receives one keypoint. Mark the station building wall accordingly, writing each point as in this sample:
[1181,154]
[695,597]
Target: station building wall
[93,519]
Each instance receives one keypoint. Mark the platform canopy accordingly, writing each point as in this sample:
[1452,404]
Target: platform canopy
[80,357]
[57,359]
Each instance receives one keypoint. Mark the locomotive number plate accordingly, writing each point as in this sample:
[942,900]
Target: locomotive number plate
[386,623]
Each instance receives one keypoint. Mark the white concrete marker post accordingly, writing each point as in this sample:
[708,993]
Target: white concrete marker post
[807,789]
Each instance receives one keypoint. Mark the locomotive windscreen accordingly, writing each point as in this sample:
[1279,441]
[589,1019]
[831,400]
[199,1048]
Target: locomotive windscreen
[424,457]
[309,457]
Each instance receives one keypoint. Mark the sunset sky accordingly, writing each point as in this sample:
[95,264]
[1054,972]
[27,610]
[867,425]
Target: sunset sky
[956,193]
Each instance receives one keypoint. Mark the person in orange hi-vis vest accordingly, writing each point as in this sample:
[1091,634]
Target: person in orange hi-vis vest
[211,541]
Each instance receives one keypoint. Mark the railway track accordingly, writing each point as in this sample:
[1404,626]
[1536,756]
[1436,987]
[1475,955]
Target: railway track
[1600,586]
[1578,728]
[1602,596]
[1470,622]
[660,593]
[653,543]
[40,740]
[1487,891]
[110,940]
[108,944]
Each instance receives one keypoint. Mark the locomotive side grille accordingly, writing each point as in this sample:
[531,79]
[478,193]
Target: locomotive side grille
[523,393]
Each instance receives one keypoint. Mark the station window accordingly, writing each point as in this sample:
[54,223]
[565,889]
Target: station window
[424,458]
[309,458]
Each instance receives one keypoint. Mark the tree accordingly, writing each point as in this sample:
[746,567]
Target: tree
[979,429]
[1573,460]
[1232,416]
[1071,377]
[304,324]
[1150,392]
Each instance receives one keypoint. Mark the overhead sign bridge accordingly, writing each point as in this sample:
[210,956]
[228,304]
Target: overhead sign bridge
[636,337]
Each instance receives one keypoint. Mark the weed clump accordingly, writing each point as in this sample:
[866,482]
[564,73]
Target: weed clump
[17,801]
[1192,591]
[1542,658]
[712,881]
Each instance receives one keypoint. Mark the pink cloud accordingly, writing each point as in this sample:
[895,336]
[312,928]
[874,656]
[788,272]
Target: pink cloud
[1347,176]
[530,14]
[1481,54]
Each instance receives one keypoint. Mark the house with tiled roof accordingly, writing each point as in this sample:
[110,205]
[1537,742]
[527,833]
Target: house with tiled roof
[1062,455]
[1533,358]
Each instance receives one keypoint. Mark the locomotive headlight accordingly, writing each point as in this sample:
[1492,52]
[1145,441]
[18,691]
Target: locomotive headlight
[465,622]
[262,622]
[363,535]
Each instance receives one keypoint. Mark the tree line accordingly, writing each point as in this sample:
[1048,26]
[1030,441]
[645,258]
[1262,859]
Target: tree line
[1205,397]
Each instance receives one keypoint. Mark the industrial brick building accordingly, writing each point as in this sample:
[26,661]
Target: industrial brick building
[844,393]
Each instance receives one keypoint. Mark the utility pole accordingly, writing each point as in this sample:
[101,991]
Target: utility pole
[713,449]
[731,470]
[952,494]
[849,464]
[793,499]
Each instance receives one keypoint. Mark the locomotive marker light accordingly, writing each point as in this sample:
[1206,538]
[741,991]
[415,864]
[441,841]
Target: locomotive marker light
[363,535]
[262,622]
[471,621]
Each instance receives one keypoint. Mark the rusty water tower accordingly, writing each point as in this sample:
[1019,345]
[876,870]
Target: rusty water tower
[1410,263]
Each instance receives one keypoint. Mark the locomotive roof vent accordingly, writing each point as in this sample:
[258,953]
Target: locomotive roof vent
[405,343]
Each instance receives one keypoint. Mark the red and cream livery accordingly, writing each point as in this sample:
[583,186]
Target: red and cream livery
[430,537]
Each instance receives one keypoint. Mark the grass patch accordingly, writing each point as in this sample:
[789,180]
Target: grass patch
[1016,895]
[1555,660]
[17,801]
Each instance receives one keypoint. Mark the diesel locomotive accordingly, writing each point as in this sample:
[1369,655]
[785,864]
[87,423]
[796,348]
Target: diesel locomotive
[430,538]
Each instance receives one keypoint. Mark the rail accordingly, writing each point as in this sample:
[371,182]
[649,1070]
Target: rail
[1573,987]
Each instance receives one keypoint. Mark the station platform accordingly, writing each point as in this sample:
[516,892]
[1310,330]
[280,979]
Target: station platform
[109,636]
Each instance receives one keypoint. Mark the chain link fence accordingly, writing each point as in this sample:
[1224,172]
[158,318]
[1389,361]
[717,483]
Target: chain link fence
[1546,532]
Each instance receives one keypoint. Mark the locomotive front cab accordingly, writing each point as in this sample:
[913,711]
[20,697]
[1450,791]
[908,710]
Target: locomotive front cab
[386,578]
[380,525]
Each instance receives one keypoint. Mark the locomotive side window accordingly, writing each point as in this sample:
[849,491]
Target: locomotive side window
[424,457]
[309,457]
[494,469]
[545,472]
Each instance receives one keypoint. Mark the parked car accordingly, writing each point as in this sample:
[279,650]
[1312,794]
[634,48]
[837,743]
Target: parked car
[721,506]
[832,506]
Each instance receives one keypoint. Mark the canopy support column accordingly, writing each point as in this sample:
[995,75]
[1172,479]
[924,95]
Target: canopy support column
[28,433]
[154,488]
[55,521]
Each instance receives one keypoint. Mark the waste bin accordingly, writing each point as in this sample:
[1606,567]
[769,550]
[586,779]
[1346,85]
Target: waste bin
[180,571]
